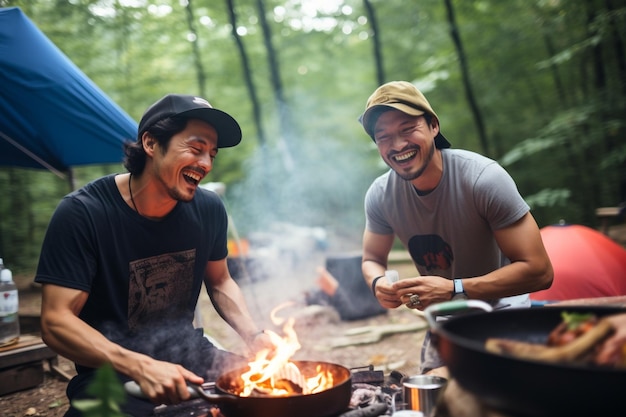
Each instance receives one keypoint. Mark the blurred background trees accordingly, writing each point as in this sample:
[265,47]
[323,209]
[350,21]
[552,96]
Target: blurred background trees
[538,85]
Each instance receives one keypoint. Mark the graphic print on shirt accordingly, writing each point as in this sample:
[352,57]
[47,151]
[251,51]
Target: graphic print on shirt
[159,283]
[431,252]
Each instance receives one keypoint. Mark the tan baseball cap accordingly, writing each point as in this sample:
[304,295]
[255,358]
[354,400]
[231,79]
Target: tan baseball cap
[399,95]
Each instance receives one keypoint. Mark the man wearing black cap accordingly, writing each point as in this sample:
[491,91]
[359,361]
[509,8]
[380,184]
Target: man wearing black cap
[468,231]
[124,259]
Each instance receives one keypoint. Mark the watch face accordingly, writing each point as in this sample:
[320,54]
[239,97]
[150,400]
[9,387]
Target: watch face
[458,287]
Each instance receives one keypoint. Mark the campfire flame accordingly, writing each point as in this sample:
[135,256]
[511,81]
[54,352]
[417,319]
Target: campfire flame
[273,374]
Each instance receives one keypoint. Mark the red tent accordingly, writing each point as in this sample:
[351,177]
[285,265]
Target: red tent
[586,264]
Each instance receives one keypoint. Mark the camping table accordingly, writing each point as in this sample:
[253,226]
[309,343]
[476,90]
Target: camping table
[22,363]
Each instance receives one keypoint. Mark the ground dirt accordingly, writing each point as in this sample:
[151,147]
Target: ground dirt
[319,330]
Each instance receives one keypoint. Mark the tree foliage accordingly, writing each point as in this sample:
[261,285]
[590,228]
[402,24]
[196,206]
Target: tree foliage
[547,78]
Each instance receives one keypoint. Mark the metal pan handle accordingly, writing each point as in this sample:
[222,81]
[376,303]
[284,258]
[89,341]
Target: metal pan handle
[213,398]
[133,388]
[449,307]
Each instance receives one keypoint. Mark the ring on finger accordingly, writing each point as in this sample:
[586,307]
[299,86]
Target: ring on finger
[409,297]
[414,301]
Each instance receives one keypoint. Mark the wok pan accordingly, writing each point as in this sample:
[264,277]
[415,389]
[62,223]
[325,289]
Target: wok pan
[329,402]
[523,387]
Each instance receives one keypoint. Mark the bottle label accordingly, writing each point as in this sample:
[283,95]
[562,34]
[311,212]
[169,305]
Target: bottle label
[8,303]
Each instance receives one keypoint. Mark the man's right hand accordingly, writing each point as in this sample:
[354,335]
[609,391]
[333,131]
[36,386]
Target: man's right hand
[386,295]
[165,382]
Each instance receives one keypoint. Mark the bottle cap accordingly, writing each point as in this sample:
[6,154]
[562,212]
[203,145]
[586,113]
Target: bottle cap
[6,275]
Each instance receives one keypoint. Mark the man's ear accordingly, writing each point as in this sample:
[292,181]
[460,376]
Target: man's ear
[148,142]
[434,125]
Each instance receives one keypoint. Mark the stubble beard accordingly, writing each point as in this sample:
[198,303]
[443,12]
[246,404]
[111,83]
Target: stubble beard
[410,176]
[175,194]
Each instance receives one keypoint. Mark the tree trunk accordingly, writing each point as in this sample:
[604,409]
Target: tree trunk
[284,116]
[467,84]
[378,55]
[560,90]
[620,59]
[603,91]
[618,46]
[247,74]
[195,51]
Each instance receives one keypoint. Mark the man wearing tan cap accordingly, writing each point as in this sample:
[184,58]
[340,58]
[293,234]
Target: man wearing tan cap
[469,232]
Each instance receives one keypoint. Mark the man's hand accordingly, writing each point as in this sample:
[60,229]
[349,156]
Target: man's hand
[429,289]
[613,350]
[164,382]
[262,341]
[386,294]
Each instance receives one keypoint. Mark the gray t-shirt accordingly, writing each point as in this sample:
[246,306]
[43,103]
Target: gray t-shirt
[449,231]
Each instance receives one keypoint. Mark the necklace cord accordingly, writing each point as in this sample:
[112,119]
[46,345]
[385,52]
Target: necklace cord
[130,190]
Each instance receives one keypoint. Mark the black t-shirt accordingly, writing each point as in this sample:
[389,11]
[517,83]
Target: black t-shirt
[143,276]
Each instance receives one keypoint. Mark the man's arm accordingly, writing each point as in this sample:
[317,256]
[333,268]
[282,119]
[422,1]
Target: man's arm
[74,339]
[376,250]
[530,269]
[229,301]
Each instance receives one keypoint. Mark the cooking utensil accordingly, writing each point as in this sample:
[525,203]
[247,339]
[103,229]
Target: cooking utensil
[420,392]
[329,402]
[520,386]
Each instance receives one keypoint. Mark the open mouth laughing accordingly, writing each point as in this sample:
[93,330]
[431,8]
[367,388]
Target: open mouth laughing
[404,156]
[192,177]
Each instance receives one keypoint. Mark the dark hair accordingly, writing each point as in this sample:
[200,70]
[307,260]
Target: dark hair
[162,131]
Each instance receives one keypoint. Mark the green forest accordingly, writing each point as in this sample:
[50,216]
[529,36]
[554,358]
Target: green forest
[538,85]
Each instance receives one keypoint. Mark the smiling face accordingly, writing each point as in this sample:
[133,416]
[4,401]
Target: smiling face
[188,158]
[406,143]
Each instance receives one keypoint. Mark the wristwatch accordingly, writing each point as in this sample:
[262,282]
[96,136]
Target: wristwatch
[458,293]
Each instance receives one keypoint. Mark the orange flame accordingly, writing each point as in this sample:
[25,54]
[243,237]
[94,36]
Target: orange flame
[272,373]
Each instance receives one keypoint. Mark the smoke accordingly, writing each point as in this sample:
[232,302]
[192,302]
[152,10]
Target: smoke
[294,217]
[175,341]
[325,188]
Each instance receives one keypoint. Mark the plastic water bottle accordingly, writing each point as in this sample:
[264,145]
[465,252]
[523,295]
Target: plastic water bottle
[392,275]
[9,304]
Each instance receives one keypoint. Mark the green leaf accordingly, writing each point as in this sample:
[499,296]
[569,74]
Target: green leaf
[108,392]
[573,320]
[55,404]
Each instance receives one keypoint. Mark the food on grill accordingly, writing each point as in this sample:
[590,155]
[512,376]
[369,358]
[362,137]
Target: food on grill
[579,338]
[571,327]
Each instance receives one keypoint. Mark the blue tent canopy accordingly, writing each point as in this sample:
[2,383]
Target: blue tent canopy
[51,114]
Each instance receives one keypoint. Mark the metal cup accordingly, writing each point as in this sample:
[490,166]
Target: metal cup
[420,392]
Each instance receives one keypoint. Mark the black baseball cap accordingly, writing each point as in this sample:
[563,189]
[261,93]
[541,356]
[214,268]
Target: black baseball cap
[193,107]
